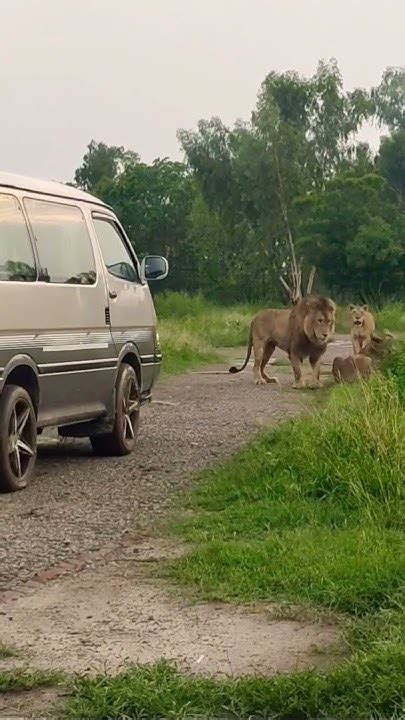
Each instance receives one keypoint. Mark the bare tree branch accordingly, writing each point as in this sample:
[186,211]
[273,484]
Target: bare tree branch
[311,280]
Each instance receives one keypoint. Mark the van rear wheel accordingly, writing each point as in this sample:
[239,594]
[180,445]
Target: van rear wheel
[18,438]
[122,439]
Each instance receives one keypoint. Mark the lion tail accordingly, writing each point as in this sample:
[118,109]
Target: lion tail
[234,369]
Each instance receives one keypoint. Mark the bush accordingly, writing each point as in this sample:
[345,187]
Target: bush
[394,367]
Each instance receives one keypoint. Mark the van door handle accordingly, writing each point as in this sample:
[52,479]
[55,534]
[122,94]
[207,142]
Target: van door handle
[112,294]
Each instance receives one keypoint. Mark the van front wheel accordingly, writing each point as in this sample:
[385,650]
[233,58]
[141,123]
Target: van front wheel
[18,438]
[122,439]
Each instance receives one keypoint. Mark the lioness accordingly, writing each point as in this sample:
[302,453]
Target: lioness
[351,368]
[302,332]
[363,326]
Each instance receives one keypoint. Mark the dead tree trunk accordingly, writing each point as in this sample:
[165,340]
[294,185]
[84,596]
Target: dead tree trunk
[294,274]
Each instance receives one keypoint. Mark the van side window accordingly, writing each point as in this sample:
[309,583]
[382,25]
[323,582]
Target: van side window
[63,242]
[116,256]
[16,254]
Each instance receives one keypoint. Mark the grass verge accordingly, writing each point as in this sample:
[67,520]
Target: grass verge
[311,514]
[191,329]
[366,687]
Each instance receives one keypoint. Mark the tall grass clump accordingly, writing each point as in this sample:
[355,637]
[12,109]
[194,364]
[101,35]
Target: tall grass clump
[216,325]
[392,317]
[182,349]
[394,367]
[192,329]
[173,305]
[355,449]
[311,512]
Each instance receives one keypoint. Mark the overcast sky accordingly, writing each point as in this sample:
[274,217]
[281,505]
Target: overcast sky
[131,72]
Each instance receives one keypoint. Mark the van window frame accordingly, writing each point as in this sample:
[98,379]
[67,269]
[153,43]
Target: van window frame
[31,240]
[61,202]
[99,215]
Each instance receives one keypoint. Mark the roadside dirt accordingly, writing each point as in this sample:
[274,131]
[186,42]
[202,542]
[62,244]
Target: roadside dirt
[115,614]
[98,516]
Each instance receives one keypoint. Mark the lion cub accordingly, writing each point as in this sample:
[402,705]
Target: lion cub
[352,368]
[363,326]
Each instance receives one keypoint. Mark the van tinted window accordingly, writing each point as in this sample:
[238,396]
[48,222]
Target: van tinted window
[116,256]
[63,242]
[16,254]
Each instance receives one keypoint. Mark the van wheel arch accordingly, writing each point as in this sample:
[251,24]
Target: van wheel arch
[130,358]
[25,377]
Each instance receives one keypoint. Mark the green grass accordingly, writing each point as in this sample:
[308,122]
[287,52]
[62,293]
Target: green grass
[392,317]
[23,680]
[182,349]
[394,367]
[191,329]
[6,651]
[309,514]
[368,686]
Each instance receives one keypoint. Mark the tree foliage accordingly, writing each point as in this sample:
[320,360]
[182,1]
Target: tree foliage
[102,162]
[293,180]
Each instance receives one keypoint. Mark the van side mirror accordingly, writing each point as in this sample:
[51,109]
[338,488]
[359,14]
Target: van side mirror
[154,267]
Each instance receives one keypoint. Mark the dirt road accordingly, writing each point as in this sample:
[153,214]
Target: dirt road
[98,516]
[78,503]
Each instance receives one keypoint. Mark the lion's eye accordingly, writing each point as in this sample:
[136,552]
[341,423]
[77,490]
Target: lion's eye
[320,321]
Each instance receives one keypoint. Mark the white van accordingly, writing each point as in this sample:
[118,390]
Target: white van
[78,343]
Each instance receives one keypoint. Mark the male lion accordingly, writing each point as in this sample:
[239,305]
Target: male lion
[363,327]
[302,332]
[351,368]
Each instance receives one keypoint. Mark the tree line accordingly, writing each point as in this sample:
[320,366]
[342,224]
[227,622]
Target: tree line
[293,185]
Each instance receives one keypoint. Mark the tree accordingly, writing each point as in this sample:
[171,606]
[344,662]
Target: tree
[154,203]
[102,162]
[392,162]
[389,99]
[354,234]
[334,117]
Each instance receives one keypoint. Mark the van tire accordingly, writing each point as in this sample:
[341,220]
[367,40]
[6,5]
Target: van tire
[18,438]
[122,439]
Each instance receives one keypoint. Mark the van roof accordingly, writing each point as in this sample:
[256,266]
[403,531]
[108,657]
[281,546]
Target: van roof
[46,187]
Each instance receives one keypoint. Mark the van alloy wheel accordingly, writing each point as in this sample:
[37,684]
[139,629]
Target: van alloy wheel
[18,438]
[130,408]
[122,439]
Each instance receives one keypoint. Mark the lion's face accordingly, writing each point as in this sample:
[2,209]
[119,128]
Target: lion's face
[357,313]
[319,325]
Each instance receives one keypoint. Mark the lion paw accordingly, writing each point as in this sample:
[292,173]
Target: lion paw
[271,379]
[315,384]
[260,381]
[299,385]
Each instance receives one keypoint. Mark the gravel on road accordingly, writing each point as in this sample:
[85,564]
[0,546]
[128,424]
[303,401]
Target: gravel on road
[78,503]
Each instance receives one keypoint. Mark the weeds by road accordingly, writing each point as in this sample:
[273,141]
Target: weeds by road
[191,329]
